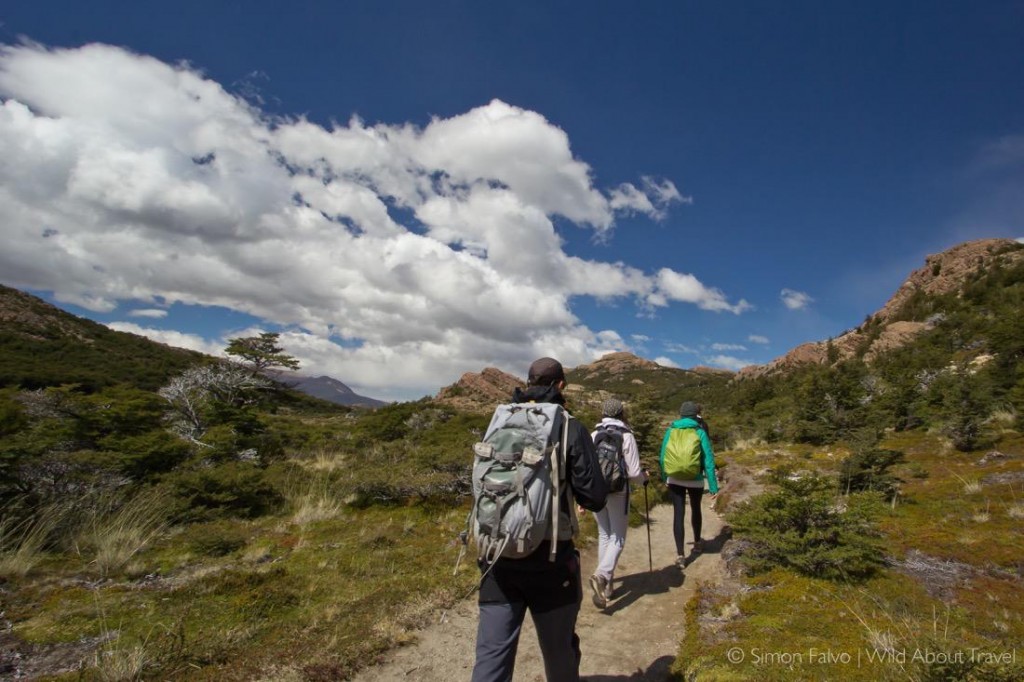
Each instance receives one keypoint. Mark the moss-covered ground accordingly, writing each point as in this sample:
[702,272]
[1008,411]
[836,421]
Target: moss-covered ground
[949,605]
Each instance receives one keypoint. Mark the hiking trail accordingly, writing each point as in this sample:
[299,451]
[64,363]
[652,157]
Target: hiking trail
[636,637]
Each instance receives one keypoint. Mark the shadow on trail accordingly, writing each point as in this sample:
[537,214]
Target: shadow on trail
[712,546]
[658,670]
[635,586]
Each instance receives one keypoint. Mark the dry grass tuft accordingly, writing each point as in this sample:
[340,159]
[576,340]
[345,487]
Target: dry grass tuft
[322,460]
[971,486]
[114,534]
[938,577]
[256,554]
[315,506]
[116,663]
[1003,419]
[314,499]
[748,444]
[22,543]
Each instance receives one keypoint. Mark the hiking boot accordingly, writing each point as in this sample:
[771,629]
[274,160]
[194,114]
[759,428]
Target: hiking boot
[681,561]
[608,590]
[598,583]
[698,546]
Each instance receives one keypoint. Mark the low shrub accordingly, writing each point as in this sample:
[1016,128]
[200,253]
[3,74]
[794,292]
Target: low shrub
[238,489]
[803,525]
[217,538]
[870,470]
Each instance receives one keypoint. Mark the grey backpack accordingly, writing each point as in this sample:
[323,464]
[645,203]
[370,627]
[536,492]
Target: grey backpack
[518,476]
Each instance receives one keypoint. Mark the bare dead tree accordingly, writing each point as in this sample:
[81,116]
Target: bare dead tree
[191,394]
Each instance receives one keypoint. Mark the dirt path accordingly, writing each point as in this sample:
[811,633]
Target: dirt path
[635,638]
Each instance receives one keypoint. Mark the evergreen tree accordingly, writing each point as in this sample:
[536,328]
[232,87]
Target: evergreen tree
[261,353]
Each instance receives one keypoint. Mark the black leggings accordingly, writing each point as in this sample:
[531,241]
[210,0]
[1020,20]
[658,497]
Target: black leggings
[679,494]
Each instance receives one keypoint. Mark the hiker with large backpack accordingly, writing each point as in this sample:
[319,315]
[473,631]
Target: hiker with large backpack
[687,461]
[620,463]
[533,466]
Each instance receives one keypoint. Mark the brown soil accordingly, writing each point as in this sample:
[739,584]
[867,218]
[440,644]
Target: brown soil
[636,637]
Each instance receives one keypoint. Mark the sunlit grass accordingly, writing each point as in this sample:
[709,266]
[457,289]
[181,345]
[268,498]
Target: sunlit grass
[328,596]
[22,543]
[322,459]
[114,533]
[116,662]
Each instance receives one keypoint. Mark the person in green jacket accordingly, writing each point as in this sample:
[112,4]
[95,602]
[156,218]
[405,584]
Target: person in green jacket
[681,490]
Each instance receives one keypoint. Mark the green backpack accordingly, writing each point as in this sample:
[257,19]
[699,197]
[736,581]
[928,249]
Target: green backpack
[682,456]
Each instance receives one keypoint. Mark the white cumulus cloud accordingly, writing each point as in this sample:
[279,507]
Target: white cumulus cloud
[727,346]
[154,313]
[674,286]
[728,362]
[396,257]
[795,300]
[172,338]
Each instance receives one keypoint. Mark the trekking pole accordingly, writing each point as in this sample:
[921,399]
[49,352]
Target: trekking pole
[647,515]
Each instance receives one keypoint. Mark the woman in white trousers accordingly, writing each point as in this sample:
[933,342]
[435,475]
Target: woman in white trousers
[613,520]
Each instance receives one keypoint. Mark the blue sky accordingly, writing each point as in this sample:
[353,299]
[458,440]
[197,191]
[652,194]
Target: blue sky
[408,191]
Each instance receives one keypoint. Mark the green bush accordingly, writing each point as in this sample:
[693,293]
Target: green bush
[803,525]
[235,489]
[870,470]
[216,538]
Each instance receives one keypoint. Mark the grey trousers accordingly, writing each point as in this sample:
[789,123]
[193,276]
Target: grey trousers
[553,599]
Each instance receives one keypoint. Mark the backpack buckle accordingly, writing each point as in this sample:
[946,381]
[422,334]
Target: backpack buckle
[532,455]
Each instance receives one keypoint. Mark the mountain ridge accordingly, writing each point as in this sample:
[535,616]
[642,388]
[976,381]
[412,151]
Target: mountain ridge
[332,390]
[943,273]
[32,331]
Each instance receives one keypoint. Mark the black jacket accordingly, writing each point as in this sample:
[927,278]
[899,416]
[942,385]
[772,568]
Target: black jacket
[589,488]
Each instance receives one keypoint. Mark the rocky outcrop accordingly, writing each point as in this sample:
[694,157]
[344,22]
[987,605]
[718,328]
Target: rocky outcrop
[947,271]
[613,364]
[714,371]
[942,273]
[480,391]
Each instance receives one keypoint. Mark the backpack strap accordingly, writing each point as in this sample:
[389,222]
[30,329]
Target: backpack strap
[558,462]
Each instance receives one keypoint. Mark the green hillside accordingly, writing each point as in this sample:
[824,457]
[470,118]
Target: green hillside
[41,346]
[953,377]
[279,533]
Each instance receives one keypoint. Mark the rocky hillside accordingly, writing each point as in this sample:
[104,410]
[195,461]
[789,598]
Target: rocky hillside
[479,391]
[888,328]
[614,364]
[621,375]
